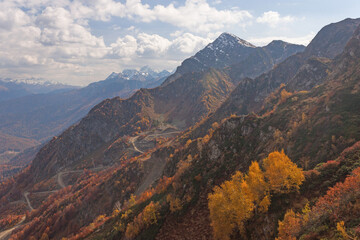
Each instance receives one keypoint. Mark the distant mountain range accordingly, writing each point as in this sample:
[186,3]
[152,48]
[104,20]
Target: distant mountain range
[38,117]
[11,89]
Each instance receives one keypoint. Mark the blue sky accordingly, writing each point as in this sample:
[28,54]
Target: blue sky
[81,41]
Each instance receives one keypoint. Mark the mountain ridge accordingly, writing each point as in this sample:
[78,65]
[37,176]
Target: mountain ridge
[227,50]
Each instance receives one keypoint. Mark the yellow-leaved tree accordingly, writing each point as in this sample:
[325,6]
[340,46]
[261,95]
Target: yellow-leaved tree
[236,200]
[281,173]
[257,187]
[229,207]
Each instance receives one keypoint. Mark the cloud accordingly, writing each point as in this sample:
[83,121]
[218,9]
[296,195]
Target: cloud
[13,17]
[188,43]
[150,44]
[124,47]
[199,16]
[273,19]
[101,10]
[194,15]
[155,46]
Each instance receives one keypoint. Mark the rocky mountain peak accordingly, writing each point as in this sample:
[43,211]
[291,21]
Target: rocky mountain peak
[277,43]
[228,39]
[144,74]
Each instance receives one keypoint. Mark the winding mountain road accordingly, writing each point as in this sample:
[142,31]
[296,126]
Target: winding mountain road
[28,201]
[132,141]
[60,179]
[7,233]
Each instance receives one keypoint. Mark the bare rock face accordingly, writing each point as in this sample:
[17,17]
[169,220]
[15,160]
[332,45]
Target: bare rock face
[312,73]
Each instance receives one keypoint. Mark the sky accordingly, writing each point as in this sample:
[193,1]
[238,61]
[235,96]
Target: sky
[81,41]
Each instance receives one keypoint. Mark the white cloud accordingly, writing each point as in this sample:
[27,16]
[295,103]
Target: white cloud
[199,16]
[155,46]
[101,10]
[150,44]
[273,19]
[194,15]
[188,43]
[13,17]
[124,47]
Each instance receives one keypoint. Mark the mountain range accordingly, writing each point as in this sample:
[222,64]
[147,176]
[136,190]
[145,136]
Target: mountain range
[11,89]
[142,167]
[35,118]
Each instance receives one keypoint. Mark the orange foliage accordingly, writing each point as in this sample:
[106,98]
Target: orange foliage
[85,231]
[289,226]
[284,95]
[234,201]
[175,203]
[146,218]
[340,202]
[282,174]
[163,184]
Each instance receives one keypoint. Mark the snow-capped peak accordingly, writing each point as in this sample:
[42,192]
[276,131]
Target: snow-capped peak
[228,39]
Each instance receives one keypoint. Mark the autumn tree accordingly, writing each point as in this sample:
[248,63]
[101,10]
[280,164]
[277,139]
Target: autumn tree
[147,217]
[281,173]
[229,207]
[289,227]
[151,213]
[236,200]
[44,237]
[175,203]
[258,187]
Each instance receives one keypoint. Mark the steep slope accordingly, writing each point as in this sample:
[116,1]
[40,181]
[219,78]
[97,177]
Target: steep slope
[228,50]
[250,94]
[332,39]
[103,134]
[264,59]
